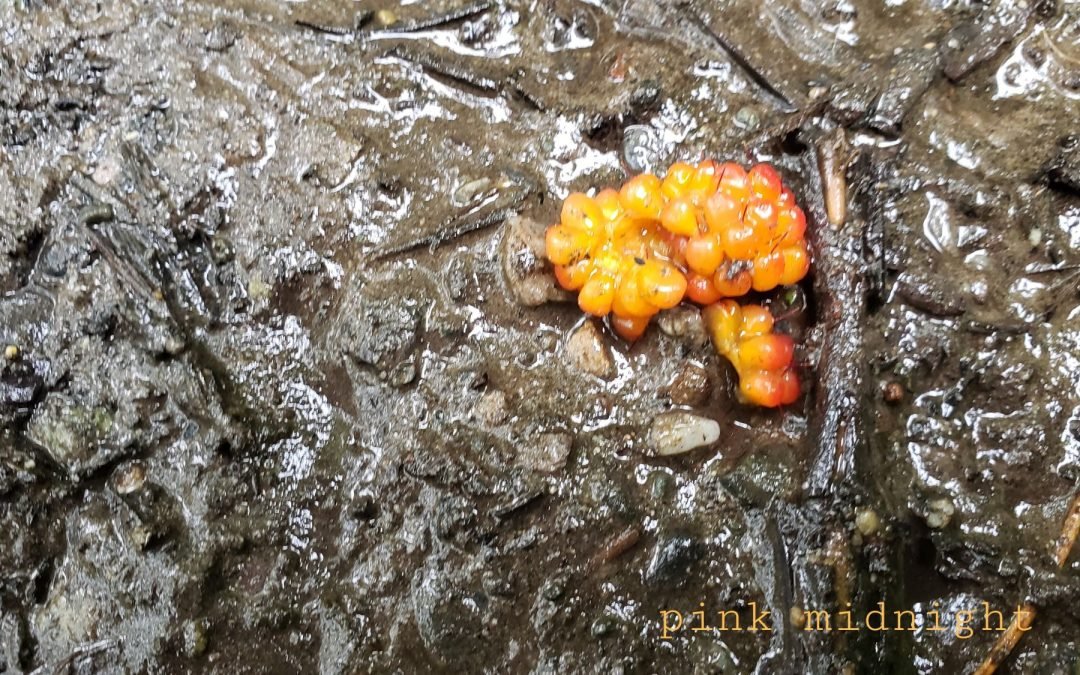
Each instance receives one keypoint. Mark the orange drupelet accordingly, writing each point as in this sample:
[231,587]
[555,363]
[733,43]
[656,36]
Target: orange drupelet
[763,359]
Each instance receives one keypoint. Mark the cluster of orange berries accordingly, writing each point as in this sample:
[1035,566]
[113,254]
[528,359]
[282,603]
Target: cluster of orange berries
[763,359]
[705,232]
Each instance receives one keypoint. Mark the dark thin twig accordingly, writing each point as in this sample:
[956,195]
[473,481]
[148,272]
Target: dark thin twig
[438,66]
[755,75]
[435,21]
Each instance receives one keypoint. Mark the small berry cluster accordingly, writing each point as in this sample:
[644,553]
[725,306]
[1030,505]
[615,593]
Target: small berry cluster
[705,232]
[619,264]
[763,359]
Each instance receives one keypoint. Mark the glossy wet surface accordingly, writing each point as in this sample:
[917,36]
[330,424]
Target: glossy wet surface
[285,394]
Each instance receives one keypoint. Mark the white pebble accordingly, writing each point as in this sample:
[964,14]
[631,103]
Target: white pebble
[674,433]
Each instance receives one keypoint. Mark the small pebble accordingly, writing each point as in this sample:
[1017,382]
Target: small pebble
[491,410]
[893,392]
[867,522]
[747,118]
[691,386]
[641,148]
[940,513]
[586,351]
[603,626]
[129,478]
[546,452]
[677,432]
[11,352]
[797,617]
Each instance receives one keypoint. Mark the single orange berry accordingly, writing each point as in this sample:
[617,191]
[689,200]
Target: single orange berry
[768,271]
[566,246]
[789,387]
[791,224]
[629,328]
[641,197]
[761,215]
[765,182]
[740,241]
[610,206]
[767,352]
[785,199]
[661,285]
[760,387]
[580,212]
[731,283]
[706,178]
[596,295]
[756,320]
[796,263]
[734,182]
[677,181]
[680,217]
[721,212]
[724,321]
[700,289]
[574,276]
[628,300]
[703,254]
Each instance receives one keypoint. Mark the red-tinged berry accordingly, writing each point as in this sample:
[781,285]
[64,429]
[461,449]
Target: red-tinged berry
[732,283]
[734,182]
[796,263]
[767,352]
[765,182]
[790,225]
[721,212]
[761,215]
[700,289]
[760,387]
[629,328]
[789,387]
[768,271]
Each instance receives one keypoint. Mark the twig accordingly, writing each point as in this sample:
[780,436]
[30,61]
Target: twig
[1024,617]
[434,21]
[755,75]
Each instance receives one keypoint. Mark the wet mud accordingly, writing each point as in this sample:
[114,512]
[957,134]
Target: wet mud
[286,385]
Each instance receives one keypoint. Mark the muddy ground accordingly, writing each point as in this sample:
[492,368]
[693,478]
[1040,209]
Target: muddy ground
[276,398]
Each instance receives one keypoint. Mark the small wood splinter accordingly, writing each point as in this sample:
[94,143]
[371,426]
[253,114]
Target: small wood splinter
[1023,619]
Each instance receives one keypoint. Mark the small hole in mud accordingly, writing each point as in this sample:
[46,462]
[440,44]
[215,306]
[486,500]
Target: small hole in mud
[792,145]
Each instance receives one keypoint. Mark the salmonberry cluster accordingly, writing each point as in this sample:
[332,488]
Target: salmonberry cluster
[705,232]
